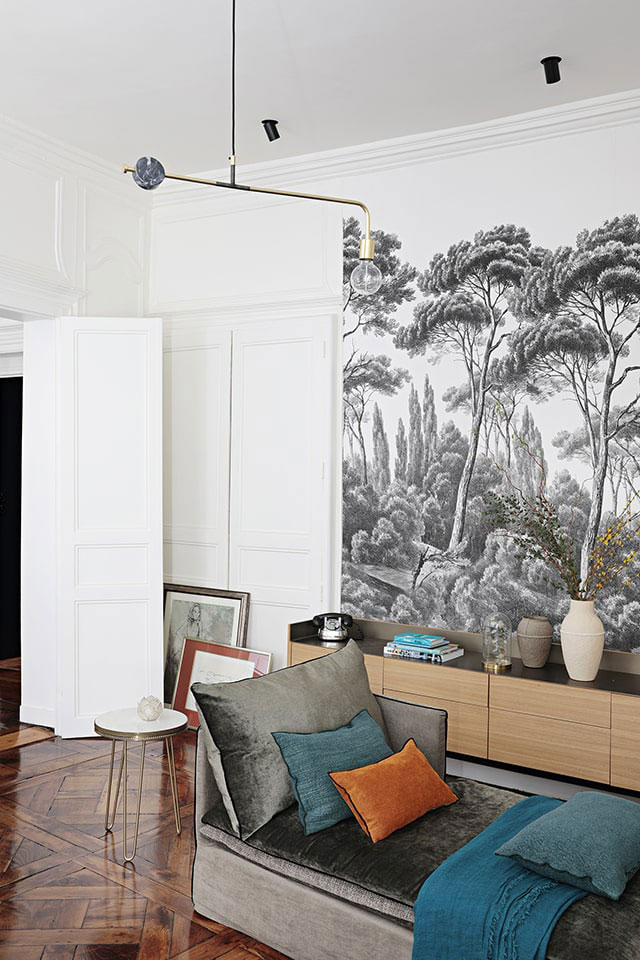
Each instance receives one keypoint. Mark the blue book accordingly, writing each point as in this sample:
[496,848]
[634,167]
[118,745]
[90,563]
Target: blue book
[418,640]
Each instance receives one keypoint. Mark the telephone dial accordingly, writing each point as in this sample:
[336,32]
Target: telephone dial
[336,627]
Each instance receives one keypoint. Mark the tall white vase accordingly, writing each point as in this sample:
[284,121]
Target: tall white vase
[582,640]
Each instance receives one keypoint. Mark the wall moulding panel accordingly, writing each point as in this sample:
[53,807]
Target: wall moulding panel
[243,254]
[77,232]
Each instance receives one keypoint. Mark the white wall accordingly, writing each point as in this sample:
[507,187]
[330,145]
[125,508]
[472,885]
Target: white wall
[73,237]
[555,170]
[250,291]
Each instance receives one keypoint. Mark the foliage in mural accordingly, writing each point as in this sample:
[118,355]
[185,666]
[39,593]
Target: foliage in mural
[522,336]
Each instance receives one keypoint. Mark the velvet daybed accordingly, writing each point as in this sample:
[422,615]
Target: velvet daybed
[334,895]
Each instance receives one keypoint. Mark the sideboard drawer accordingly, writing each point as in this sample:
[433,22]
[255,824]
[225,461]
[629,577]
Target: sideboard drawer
[557,746]
[303,652]
[625,741]
[468,724]
[542,699]
[431,680]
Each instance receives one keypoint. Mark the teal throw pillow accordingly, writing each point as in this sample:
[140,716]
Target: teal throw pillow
[592,842]
[310,757]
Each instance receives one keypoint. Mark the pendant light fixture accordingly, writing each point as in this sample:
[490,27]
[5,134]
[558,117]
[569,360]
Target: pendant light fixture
[149,173]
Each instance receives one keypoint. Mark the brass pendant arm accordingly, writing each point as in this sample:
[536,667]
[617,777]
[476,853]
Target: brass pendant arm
[280,193]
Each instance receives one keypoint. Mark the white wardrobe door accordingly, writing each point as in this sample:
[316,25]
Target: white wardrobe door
[197,414]
[282,419]
[109,517]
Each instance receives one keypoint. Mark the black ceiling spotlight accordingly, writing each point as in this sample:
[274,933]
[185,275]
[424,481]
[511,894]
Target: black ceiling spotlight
[271,129]
[551,69]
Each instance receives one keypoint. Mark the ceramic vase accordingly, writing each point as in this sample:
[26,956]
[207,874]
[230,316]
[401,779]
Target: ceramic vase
[534,640]
[582,640]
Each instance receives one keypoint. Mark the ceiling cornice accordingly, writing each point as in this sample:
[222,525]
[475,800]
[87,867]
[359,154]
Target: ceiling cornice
[565,120]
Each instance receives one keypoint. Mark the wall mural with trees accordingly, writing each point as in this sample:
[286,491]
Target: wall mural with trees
[498,364]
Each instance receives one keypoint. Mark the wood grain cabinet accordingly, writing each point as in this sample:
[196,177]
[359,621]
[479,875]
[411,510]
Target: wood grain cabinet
[535,719]
[303,652]
[625,741]
[462,693]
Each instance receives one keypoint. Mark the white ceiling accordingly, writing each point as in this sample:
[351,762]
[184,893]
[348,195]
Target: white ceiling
[121,79]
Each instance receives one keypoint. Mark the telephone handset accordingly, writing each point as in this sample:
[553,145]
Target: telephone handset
[335,626]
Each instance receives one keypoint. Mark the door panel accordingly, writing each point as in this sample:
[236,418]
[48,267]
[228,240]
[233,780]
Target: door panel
[109,427]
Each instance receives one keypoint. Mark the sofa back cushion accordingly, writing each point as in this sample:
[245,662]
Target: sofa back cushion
[241,716]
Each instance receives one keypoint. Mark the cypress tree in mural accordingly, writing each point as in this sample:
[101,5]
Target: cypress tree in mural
[366,374]
[381,463]
[529,466]
[464,314]
[595,286]
[415,468]
[369,375]
[402,453]
[429,424]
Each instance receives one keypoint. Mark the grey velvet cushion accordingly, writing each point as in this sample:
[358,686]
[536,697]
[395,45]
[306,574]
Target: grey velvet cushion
[240,717]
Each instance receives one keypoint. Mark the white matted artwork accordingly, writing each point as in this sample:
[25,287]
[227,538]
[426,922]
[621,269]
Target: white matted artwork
[207,615]
[214,663]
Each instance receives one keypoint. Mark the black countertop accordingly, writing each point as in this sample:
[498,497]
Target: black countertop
[607,680]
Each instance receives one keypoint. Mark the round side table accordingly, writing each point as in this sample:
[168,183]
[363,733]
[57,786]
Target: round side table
[126,725]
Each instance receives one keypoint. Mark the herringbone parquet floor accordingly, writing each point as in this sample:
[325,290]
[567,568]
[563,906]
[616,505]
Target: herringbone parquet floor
[64,890]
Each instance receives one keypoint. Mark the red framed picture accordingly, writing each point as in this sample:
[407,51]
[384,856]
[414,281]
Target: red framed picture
[203,662]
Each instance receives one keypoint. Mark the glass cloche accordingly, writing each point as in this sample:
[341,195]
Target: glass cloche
[497,634]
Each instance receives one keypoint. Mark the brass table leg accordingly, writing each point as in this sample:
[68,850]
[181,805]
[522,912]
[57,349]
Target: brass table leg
[109,822]
[129,857]
[174,783]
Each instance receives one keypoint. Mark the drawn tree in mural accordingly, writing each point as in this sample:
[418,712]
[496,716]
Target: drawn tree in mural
[369,375]
[464,314]
[594,289]
[374,314]
[381,458]
[402,453]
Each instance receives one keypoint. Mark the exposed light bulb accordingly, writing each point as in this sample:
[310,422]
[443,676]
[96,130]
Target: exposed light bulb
[148,173]
[366,278]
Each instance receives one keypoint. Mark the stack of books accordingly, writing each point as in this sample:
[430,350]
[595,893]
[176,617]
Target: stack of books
[421,646]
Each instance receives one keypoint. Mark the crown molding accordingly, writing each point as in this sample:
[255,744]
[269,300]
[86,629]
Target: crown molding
[559,121]
[17,138]
[11,337]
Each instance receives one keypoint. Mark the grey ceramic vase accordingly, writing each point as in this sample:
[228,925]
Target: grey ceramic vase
[534,639]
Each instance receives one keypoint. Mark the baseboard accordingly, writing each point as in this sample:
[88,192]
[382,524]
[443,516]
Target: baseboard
[523,780]
[40,716]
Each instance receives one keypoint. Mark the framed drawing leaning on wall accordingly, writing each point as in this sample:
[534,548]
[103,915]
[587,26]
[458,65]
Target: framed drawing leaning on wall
[214,663]
[204,614]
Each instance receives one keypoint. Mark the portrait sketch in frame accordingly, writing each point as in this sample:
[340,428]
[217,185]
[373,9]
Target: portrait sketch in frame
[204,614]
[214,663]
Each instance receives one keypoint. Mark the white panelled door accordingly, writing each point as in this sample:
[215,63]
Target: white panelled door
[197,422]
[283,413]
[109,472]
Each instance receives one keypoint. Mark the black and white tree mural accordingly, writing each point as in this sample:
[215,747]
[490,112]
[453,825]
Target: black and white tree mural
[541,351]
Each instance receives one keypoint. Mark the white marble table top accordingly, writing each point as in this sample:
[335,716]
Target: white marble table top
[127,725]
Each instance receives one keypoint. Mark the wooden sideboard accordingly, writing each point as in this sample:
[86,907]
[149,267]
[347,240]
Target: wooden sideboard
[537,719]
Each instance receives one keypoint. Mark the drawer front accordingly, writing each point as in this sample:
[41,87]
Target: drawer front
[468,723]
[432,680]
[625,741]
[303,652]
[557,746]
[550,700]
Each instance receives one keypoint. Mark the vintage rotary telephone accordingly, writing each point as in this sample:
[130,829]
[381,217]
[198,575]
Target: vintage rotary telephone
[336,627]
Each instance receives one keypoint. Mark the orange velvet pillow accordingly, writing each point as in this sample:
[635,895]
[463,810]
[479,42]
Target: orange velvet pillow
[387,795]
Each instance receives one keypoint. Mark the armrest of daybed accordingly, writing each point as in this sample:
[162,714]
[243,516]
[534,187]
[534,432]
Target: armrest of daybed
[206,790]
[426,725]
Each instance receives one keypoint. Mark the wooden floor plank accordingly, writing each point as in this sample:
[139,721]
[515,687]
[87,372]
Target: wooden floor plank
[65,893]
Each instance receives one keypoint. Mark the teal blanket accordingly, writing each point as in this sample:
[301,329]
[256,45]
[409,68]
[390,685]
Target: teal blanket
[478,906]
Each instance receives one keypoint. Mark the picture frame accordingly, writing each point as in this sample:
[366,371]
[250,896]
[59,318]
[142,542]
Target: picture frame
[213,663]
[201,613]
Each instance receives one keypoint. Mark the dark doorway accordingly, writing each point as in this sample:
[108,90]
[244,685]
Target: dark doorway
[10,484]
